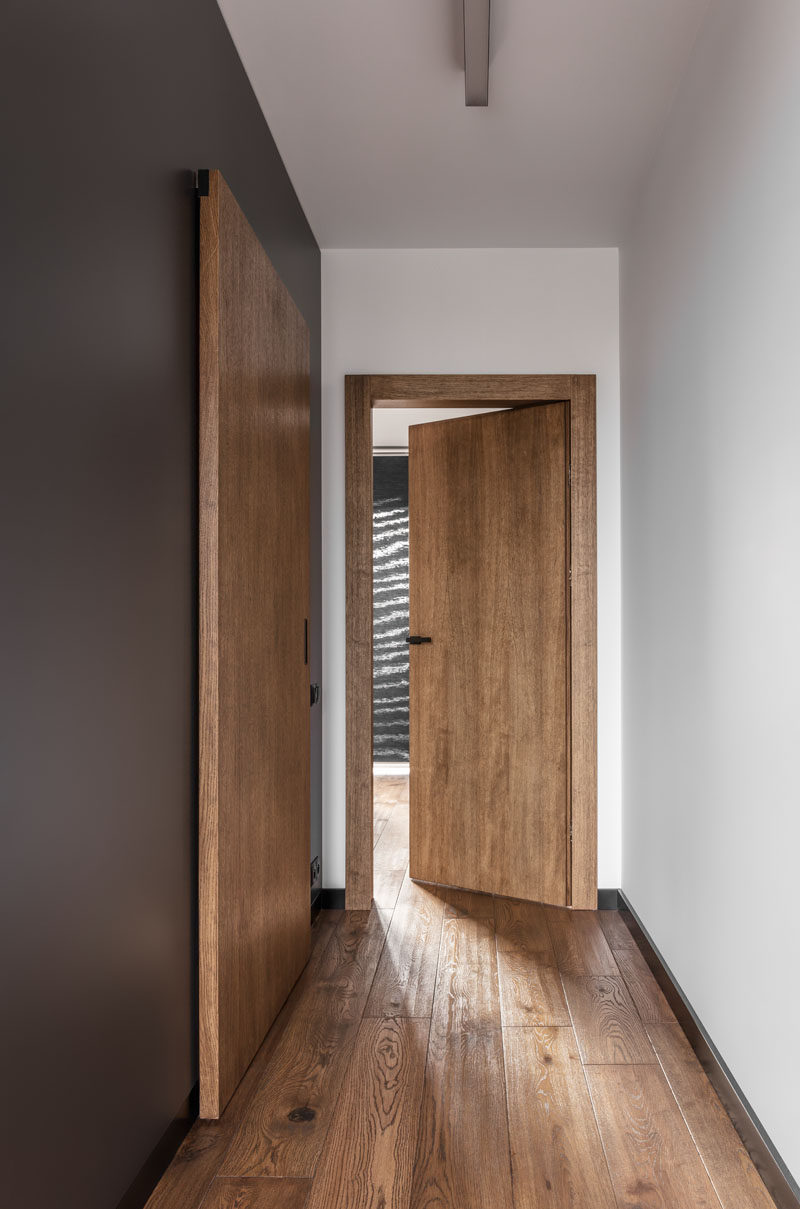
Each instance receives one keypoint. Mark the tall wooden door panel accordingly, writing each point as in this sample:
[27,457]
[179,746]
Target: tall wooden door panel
[254,687]
[489,558]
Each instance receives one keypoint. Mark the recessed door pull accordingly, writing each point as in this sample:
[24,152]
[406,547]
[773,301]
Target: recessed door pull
[417,639]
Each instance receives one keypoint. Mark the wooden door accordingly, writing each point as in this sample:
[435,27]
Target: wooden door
[489,585]
[254,685]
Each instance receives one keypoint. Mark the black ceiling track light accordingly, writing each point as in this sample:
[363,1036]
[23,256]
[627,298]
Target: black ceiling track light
[476,51]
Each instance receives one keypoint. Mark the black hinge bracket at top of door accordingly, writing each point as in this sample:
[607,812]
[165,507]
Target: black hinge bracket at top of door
[202,182]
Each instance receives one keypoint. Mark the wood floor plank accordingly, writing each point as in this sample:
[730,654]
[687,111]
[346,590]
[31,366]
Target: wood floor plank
[651,1156]
[557,1159]
[606,1023]
[530,992]
[467,902]
[521,928]
[406,979]
[381,813]
[579,943]
[735,1179]
[462,1159]
[467,997]
[645,991]
[615,931]
[378,828]
[667,1137]
[387,792]
[249,1193]
[368,1156]
[188,1177]
[285,1128]
[530,984]
[391,858]
[390,789]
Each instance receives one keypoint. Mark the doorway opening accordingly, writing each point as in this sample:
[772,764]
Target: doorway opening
[390,630]
[390,666]
[564,407]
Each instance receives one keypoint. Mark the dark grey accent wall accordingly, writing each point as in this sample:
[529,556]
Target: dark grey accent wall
[390,668]
[107,107]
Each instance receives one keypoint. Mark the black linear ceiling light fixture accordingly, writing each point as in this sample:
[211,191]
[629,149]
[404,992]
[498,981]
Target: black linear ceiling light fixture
[476,52]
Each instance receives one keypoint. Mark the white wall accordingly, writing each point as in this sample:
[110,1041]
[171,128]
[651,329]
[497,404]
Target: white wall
[711,549]
[471,311]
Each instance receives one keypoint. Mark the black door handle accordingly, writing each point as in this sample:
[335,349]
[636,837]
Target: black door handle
[417,639]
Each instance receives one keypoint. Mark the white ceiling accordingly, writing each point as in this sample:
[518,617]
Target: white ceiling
[365,99]
[390,424]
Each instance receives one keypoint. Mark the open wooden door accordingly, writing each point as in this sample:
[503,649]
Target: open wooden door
[489,587]
[254,684]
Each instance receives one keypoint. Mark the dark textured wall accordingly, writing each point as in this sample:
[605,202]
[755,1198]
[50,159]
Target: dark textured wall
[390,687]
[107,107]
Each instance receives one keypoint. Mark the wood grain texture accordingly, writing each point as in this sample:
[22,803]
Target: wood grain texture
[521,928]
[557,1158]
[361,1077]
[459,903]
[530,984]
[369,1153]
[291,1111]
[361,394]
[583,642]
[442,390]
[387,793]
[462,1159]
[187,1179]
[406,979]
[606,1023]
[735,1179]
[494,680]
[257,1194]
[644,990]
[651,1157]
[391,858]
[579,943]
[208,653]
[389,787]
[358,637]
[530,992]
[467,997]
[615,930]
[255,753]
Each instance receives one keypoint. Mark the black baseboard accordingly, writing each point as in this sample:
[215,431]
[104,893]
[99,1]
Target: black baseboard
[778,1179]
[331,900]
[162,1154]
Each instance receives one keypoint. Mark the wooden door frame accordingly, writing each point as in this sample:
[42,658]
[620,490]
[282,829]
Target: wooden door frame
[363,392]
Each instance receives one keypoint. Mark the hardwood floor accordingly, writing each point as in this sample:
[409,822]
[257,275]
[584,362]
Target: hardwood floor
[448,1050]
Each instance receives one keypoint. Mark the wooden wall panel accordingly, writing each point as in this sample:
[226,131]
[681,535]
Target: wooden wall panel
[254,684]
